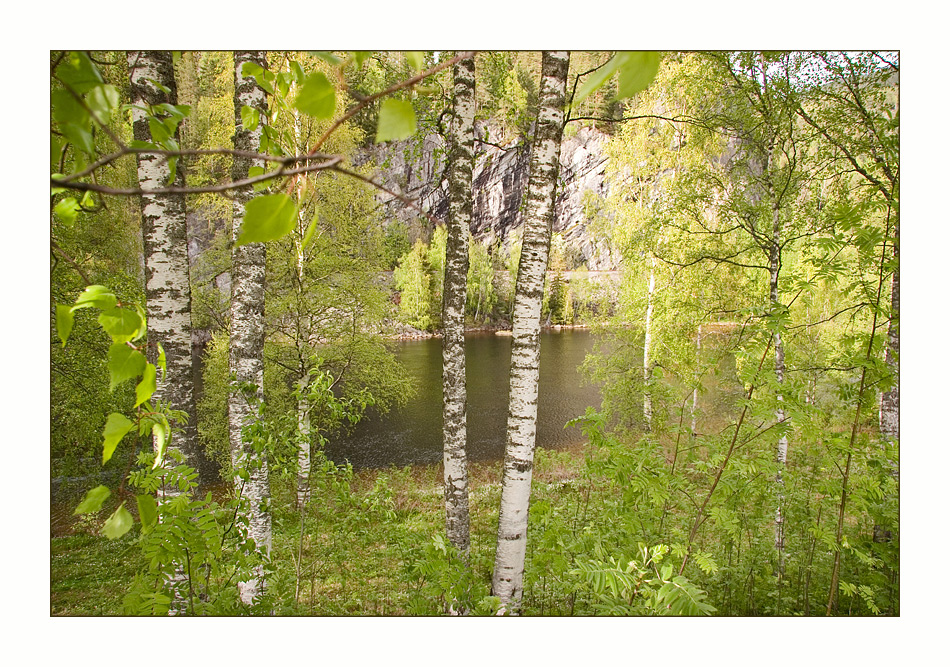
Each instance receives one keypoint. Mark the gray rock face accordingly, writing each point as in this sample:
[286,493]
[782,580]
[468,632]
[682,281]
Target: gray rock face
[416,168]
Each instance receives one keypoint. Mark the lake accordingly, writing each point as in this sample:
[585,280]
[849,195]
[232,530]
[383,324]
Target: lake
[413,434]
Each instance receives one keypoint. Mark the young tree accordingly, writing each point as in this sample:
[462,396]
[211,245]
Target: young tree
[247,324]
[507,579]
[164,232]
[461,162]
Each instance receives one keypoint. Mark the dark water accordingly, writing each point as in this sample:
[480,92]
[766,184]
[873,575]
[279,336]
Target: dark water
[413,434]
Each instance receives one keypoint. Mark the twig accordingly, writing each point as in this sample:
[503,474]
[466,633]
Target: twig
[355,109]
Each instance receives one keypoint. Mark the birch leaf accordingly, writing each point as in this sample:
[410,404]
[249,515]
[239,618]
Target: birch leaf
[95,295]
[161,359]
[415,59]
[397,120]
[161,439]
[64,322]
[317,97]
[597,79]
[145,388]
[66,210]
[118,524]
[121,323]
[117,425]
[267,218]
[148,511]
[637,72]
[93,500]
[250,118]
[124,363]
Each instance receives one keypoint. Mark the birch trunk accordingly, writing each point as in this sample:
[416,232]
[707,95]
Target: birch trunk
[164,235]
[461,160]
[167,279]
[247,328]
[507,580]
[647,340]
[775,265]
[695,407]
[303,450]
[890,399]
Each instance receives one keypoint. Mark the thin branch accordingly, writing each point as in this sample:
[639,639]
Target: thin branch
[405,200]
[62,253]
[224,187]
[355,109]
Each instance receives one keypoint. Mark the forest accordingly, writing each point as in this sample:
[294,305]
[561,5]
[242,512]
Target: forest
[246,248]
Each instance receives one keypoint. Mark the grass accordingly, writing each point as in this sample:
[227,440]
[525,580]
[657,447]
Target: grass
[356,559]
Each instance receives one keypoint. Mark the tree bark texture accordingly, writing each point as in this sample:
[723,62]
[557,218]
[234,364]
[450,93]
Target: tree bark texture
[781,454]
[164,234]
[461,163]
[247,325]
[890,399]
[507,580]
[303,449]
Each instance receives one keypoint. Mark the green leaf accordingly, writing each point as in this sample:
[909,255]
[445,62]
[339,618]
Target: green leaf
[316,97]
[158,129]
[142,145]
[120,323]
[416,59]
[125,362]
[250,118]
[597,79]
[308,235]
[360,56]
[397,120]
[64,322]
[161,358]
[143,324]
[117,426]
[145,388]
[66,210]
[102,100]
[267,218]
[327,57]
[148,511]
[55,190]
[259,171]
[118,524]
[95,295]
[160,436]
[637,71]
[93,500]
[297,70]
[78,72]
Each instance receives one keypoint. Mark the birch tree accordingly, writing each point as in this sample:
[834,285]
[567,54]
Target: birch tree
[461,161]
[164,235]
[247,326]
[507,580]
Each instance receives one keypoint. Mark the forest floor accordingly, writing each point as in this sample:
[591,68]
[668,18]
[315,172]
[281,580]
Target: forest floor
[352,567]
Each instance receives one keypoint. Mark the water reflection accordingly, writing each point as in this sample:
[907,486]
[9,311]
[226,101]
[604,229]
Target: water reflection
[414,434]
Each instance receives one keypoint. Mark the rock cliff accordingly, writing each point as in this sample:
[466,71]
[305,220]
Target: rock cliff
[416,168]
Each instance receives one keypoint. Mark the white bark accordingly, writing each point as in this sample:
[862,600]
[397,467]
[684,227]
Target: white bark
[781,455]
[247,329]
[507,579]
[461,162]
[303,450]
[693,410]
[890,399]
[167,281]
[164,232]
